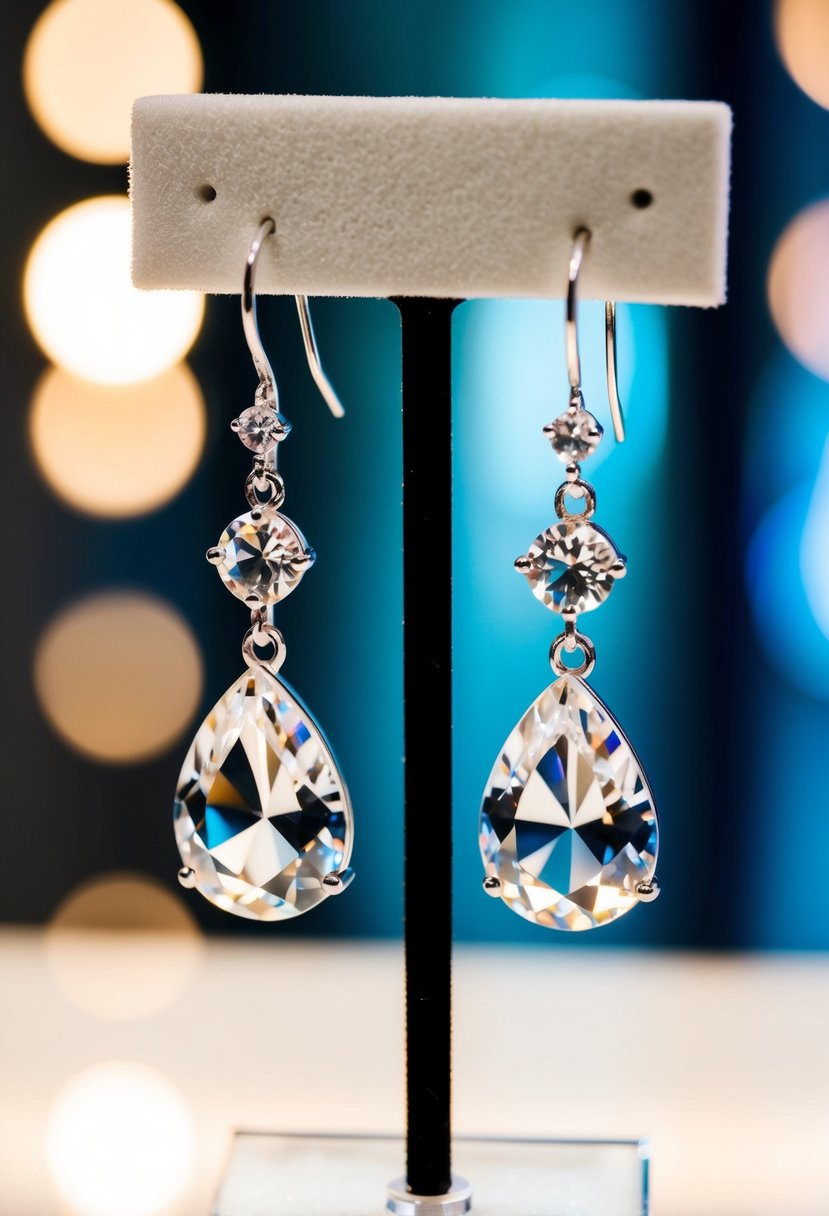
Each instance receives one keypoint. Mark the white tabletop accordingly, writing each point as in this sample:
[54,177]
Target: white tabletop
[723,1061]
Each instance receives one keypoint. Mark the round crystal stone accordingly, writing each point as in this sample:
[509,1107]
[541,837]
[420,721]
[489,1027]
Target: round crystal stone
[265,557]
[574,435]
[567,823]
[262,814]
[261,429]
[572,566]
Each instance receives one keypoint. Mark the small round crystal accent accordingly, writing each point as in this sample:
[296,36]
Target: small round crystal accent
[572,566]
[260,429]
[574,435]
[263,557]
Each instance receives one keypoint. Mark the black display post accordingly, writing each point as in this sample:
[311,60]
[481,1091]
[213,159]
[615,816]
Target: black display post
[427,605]
[581,1176]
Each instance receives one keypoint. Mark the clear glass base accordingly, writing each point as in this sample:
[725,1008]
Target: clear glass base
[290,1175]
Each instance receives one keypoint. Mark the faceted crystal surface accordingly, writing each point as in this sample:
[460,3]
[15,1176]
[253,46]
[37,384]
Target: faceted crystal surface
[572,566]
[574,435]
[567,821]
[266,556]
[261,812]
[260,428]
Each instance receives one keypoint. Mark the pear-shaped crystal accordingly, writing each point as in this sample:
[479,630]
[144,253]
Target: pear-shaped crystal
[568,825]
[262,814]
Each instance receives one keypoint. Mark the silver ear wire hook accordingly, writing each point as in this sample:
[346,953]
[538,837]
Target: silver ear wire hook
[249,321]
[581,238]
[267,379]
[612,381]
[313,356]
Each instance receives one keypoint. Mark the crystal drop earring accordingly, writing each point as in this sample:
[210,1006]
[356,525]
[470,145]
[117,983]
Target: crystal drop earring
[568,830]
[262,815]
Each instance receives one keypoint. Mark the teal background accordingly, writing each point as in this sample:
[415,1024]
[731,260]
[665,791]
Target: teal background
[709,653]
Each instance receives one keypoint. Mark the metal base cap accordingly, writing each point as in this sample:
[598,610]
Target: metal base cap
[456,1202]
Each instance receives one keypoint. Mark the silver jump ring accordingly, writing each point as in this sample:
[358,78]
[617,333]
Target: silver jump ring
[572,640]
[265,489]
[263,635]
[587,492]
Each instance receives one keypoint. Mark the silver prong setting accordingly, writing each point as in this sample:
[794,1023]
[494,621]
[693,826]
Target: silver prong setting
[187,878]
[523,564]
[253,599]
[648,890]
[337,881]
[619,568]
[492,886]
[215,555]
[235,425]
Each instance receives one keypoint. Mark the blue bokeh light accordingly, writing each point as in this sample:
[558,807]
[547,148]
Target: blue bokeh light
[784,625]
[787,576]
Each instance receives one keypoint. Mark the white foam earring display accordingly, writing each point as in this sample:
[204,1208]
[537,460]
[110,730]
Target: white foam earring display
[432,196]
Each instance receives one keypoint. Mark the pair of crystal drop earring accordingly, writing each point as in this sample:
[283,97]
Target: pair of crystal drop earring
[263,820]
[262,815]
[568,830]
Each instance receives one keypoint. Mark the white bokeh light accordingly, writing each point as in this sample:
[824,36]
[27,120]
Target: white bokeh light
[87,60]
[82,306]
[121,946]
[802,31]
[120,1141]
[118,675]
[798,287]
[117,449]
